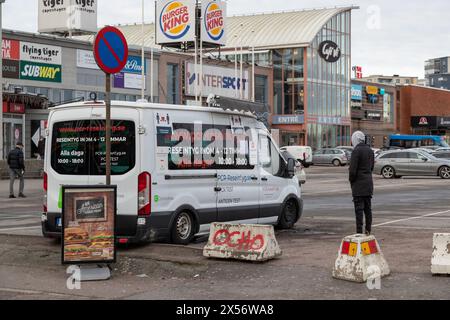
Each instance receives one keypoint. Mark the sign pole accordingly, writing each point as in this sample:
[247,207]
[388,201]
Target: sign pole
[108,129]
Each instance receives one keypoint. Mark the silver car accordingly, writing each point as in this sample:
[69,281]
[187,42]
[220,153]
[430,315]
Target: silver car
[336,157]
[398,163]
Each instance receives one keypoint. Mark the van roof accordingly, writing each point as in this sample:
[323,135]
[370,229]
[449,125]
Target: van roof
[146,105]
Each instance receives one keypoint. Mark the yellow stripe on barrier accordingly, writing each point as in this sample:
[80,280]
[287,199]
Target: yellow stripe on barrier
[353,249]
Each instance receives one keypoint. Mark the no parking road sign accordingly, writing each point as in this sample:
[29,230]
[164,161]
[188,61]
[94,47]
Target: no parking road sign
[111,50]
[111,55]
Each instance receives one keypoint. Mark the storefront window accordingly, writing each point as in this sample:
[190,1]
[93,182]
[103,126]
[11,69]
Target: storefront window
[261,89]
[173,91]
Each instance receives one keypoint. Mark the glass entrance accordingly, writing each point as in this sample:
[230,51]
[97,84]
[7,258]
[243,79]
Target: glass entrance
[12,134]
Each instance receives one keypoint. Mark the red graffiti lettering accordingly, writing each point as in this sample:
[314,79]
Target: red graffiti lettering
[239,240]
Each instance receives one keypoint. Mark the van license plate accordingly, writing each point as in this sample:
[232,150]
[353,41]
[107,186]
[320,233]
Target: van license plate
[58,222]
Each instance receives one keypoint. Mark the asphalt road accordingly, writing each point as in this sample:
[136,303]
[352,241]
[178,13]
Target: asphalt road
[406,214]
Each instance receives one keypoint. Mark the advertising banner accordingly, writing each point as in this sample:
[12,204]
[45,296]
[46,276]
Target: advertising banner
[127,81]
[134,65]
[86,60]
[11,69]
[218,80]
[17,108]
[89,223]
[40,72]
[175,21]
[357,92]
[213,25]
[56,16]
[10,49]
[41,53]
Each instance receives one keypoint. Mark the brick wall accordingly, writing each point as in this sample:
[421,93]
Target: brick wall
[422,101]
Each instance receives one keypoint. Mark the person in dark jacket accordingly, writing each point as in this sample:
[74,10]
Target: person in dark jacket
[361,169]
[16,165]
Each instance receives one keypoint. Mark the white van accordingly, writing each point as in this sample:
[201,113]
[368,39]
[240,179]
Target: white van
[172,181]
[302,154]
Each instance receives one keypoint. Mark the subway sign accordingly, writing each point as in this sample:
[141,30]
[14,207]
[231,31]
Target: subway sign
[40,72]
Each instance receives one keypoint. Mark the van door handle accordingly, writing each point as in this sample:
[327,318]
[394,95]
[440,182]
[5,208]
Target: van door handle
[217,189]
[264,179]
[254,178]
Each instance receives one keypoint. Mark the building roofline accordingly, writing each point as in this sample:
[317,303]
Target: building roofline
[351,7]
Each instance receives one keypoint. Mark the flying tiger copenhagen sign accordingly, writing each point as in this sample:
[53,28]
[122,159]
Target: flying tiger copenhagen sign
[214,22]
[175,20]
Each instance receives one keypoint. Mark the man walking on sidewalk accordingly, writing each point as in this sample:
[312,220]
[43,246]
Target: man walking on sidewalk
[16,165]
[361,168]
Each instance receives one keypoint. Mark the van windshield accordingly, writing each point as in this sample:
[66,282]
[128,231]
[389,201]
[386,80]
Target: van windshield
[78,147]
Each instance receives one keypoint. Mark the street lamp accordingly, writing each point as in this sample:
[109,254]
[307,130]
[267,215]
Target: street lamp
[1,81]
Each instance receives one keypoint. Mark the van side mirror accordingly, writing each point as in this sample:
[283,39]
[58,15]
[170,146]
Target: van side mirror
[291,167]
[424,159]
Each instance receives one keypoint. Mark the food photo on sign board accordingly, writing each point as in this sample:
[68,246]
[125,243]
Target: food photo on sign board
[89,225]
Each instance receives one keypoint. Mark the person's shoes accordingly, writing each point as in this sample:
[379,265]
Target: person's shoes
[22,195]
[12,196]
[368,233]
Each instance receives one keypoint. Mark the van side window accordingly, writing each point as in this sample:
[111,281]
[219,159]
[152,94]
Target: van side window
[269,157]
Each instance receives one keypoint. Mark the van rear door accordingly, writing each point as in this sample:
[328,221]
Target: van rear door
[67,162]
[78,154]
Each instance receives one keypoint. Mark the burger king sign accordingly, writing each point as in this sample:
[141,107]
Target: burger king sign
[213,23]
[175,21]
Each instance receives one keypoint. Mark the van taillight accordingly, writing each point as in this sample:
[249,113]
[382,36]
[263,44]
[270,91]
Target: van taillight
[144,194]
[45,185]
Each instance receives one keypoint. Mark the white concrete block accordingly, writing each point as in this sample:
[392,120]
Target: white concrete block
[242,242]
[440,260]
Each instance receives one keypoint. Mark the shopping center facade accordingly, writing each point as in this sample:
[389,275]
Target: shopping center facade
[310,53]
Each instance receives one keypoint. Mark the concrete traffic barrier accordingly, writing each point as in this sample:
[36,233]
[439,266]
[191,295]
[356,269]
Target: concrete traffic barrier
[360,259]
[242,242]
[440,261]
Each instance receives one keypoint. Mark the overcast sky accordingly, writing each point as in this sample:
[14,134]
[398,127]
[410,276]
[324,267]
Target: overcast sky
[389,36]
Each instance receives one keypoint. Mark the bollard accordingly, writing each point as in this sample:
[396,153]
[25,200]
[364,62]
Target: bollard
[358,257]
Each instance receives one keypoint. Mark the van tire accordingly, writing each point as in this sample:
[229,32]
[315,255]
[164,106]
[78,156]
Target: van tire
[289,215]
[183,228]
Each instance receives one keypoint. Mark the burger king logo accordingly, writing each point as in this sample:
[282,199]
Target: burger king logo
[174,20]
[214,21]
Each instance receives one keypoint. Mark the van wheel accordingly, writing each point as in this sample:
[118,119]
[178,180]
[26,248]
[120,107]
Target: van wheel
[444,172]
[183,228]
[289,215]
[336,163]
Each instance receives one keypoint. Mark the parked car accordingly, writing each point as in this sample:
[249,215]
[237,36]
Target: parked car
[303,154]
[350,149]
[299,170]
[336,157]
[442,149]
[396,164]
[442,155]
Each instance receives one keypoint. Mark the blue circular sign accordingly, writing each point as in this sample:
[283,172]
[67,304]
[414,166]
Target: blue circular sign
[110,50]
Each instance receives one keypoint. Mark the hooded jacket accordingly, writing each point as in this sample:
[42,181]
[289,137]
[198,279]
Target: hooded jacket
[361,169]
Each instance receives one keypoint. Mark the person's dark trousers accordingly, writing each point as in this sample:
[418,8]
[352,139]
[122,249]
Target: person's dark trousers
[363,207]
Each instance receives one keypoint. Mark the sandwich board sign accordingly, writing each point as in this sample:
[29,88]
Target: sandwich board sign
[89,224]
